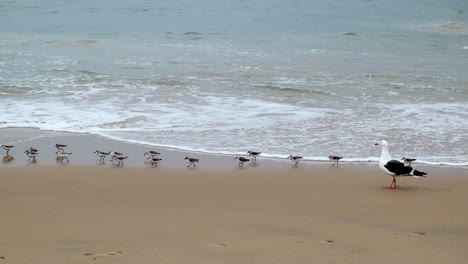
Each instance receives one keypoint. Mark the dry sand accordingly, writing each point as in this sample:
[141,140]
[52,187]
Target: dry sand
[265,214]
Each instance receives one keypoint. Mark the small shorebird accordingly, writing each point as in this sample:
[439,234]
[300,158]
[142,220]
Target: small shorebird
[120,160]
[295,159]
[254,154]
[32,154]
[31,149]
[407,161]
[393,167]
[335,160]
[241,161]
[115,154]
[154,161]
[151,153]
[7,148]
[102,155]
[60,147]
[61,156]
[191,161]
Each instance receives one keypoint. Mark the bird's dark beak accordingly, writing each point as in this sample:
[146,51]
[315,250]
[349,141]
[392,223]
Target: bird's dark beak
[376,144]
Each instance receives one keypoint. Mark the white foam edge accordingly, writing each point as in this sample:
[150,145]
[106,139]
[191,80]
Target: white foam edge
[230,153]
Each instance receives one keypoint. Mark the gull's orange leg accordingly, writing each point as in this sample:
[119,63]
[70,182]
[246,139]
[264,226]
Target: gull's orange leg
[393,185]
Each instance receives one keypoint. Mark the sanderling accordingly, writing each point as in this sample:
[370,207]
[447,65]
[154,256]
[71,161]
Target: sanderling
[254,154]
[61,156]
[120,160]
[154,161]
[295,159]
[115,154]
[32,154]
[7,148]
[102,155]
[60,147]
[241,161]
[407,161]
[151,153]
[191,161]
[335,160]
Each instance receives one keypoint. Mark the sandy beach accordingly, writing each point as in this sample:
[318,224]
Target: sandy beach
[217,213]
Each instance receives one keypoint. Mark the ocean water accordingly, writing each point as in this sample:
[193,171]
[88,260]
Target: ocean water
[302,77]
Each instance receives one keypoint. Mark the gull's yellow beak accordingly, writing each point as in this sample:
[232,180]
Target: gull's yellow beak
[376,144]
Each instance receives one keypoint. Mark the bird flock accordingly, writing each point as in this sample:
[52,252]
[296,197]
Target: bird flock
[118,158]
[392,167]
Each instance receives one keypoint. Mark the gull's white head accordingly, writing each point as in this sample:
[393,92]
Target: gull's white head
[381,143]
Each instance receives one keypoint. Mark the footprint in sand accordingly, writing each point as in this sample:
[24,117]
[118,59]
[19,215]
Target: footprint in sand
[107,254]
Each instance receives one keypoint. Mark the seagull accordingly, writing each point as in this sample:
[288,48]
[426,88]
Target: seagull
[120,160]
[295,159]
[393,167]
[7,148]
[407,161]
[335,160]
[241,161]
[191,161]
[61,156]
[102,155]
[152,153]
[254,154]
[154,161]
[60,147]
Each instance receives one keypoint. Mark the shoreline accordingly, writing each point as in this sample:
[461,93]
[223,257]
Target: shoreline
[44,140]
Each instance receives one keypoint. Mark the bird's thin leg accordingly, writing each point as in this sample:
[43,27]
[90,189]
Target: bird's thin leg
[393,184]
